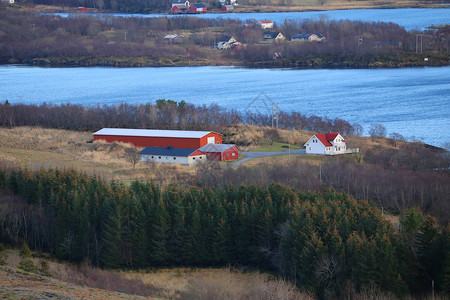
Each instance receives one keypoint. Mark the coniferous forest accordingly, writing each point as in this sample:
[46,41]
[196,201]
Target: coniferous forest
[327,243]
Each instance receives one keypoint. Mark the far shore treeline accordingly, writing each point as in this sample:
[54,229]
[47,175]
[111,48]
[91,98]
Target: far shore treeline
[83,40]
[327,243]
[164,114]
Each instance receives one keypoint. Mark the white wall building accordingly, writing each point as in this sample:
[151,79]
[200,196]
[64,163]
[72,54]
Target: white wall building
[266,24]
[170,155]
[226,42]
[327,144]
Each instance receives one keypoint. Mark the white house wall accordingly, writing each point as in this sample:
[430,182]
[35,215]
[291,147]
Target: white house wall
[315,147]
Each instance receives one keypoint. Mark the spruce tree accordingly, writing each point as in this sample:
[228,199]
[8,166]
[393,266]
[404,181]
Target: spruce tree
[25,262]
[3,255]
[110,256]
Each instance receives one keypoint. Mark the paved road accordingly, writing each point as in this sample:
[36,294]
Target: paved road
[253,155]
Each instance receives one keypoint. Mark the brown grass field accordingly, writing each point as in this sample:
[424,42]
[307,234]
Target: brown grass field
[36,148]
[86,282]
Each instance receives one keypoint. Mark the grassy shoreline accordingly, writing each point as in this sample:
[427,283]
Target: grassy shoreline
[406,60]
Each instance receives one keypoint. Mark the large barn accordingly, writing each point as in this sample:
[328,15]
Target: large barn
[159,138]
[221,151]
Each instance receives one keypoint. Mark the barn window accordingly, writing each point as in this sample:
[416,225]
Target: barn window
[167,158]
[159,157]
[193,158]
[174,158]
[153,156]
[228,155]
[200,157]
[233,154]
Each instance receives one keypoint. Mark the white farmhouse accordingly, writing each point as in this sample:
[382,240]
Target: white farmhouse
[8,1]
[226,42]
[328,144]
[170,155]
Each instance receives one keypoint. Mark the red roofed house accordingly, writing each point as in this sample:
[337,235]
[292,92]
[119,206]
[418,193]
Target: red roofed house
[327,144]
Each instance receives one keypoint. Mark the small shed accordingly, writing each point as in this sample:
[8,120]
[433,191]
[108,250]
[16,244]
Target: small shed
[220,151]
[227,8]
[170,155]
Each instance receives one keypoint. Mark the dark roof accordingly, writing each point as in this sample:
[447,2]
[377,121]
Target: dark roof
[168,151]
[307,35]
[301,36]
[178,1]
[271,34]
[199,5]
[216,147]
[225,38]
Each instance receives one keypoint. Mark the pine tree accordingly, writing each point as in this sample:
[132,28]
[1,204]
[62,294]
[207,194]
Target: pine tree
[110,236]
[3,255]
[25,262]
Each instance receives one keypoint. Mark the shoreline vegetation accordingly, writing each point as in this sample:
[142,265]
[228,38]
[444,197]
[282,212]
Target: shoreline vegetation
[326,6]
[86,40]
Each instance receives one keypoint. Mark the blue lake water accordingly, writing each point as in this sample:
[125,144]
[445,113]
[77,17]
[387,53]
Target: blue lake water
[410,101]
[410,18]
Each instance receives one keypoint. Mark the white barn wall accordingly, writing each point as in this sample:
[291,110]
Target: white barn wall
[173,159]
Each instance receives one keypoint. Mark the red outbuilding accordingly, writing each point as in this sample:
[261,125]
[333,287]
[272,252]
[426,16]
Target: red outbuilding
[159,138]
[197,8]
[220,151]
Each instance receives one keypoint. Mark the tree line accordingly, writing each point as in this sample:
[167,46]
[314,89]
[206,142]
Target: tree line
[116,41]
[326,243]
[393,187]
[164,114]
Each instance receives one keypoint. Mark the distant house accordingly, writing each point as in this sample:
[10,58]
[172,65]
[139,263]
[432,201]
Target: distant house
[184,3]
[331,143]
[220,151]
[197,8]
[172,155]
[266,24]
[227,8]
[270,37]
[173,38]
[227,42]
[225,2]
[307,37]
[81,8]
[8,1]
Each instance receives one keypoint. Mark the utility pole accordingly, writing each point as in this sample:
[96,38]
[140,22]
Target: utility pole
[419,39]
[320,174]
[277,115]
[272,114]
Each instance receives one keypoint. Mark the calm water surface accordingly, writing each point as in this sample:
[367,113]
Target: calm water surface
[410,18]
[410,101]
